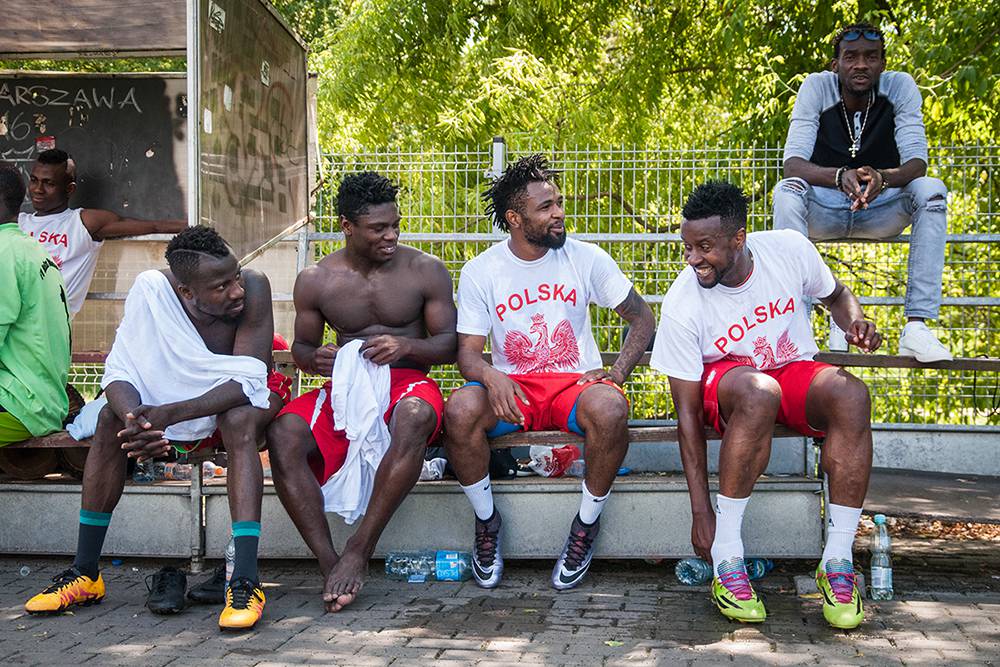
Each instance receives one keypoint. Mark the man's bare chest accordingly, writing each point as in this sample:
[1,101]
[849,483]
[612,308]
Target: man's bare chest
[354,305]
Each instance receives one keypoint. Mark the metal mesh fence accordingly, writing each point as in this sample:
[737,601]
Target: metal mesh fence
[629,199]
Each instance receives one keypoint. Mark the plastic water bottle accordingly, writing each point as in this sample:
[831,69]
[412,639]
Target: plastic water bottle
[881,572]
[577,468]
[177,471]
[420,566]
[210,470]
[695,571]
[758,567]
[230,559]
[143,473]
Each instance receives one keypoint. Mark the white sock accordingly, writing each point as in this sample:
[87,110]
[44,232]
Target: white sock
[591,505]
[728,529]
[841,525]
[480,495]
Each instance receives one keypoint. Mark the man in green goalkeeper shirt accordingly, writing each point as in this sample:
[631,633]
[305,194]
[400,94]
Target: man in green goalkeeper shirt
[34,326]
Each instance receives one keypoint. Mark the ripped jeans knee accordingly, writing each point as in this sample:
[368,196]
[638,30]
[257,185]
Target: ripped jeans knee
[792,186]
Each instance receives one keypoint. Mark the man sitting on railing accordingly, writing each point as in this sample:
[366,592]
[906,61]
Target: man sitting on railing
[73,236]
[855,167]
[192,355]
[397,302]
[737,346]
[34,327]
[533,294]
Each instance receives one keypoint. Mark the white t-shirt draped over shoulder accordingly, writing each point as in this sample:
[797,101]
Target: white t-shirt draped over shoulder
[763,323]
[538,311]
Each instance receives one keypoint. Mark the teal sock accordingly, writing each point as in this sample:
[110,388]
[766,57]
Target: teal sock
[93,528]
[246,536]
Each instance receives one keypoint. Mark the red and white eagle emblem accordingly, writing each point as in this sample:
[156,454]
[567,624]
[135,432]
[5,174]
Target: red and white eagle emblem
[545,355]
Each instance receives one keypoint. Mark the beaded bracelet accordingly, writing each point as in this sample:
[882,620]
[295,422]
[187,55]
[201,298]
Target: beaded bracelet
[839,178]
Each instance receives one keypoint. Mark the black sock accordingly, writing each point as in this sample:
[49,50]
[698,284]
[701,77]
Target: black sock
[246,536]
[93,528]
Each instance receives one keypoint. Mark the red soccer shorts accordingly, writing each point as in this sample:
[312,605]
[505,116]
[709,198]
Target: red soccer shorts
[794,379]
[314,409]
[278,383]
[551,402]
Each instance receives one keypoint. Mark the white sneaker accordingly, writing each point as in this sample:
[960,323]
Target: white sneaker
[920,342]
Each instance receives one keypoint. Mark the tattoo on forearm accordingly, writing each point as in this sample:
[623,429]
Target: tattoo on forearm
[639,333]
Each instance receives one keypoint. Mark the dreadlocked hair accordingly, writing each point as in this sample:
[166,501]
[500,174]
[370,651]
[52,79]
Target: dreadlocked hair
[507,192]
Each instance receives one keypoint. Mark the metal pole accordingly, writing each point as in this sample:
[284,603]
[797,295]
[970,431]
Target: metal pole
[193,113]
[498,162]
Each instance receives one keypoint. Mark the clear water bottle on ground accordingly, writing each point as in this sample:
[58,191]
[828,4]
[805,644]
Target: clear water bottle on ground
[577,468]
[421,566]
[695,571]
[881,570]
[230,559]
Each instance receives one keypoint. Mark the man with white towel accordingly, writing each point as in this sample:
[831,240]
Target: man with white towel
[391,307]
[192,355]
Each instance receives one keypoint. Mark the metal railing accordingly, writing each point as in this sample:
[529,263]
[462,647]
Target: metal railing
[628,200]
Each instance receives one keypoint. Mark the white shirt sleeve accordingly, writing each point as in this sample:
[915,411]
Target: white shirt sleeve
[608,285]
[804,125]
[677,350]
[817,279]
[911,139]
[473,309]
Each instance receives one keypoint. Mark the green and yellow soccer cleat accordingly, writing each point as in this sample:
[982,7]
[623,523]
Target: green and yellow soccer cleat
[69,588]
[244,605]
[734,596]
[842,607]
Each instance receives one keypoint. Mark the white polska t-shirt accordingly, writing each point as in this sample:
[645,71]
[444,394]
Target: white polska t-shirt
[762,323]
[73,249]
[538,311]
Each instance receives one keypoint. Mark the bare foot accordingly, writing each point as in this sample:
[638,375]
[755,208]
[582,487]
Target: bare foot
[345,581]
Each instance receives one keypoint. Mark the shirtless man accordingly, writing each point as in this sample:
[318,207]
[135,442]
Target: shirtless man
[399,301]
[230,310]
[73,236]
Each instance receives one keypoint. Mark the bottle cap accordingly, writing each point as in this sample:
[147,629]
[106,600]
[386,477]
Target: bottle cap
[879,519]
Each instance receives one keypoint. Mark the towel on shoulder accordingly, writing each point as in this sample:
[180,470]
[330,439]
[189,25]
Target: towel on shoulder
[159,352]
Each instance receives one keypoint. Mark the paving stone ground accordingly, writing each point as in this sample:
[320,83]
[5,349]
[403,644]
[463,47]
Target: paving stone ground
[947,611]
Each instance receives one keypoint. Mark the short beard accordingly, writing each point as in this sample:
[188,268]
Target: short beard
[546,240]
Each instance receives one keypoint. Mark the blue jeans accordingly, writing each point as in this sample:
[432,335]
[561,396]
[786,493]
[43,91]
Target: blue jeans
[825,213]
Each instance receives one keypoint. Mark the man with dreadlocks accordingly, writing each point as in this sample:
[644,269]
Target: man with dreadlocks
[191,355]
[533,292]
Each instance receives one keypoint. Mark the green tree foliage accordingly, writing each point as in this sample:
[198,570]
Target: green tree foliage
[602,71]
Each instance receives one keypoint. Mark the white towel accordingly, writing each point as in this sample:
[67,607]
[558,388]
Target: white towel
[159,352]
[359,398]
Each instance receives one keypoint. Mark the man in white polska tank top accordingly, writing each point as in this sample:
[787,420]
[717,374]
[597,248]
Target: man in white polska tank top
[531,294]
[742,382]
[51,184]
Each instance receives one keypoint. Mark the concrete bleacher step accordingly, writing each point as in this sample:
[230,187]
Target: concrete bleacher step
[648,516]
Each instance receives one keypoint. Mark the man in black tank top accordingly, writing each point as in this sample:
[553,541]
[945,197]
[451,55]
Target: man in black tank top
[855,167]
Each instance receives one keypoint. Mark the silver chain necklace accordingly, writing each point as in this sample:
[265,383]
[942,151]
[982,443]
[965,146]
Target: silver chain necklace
[856,141]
